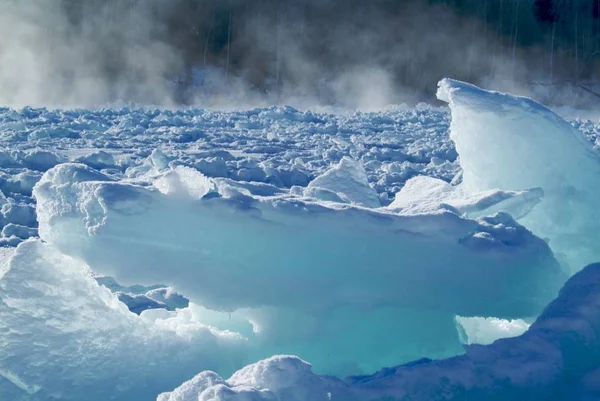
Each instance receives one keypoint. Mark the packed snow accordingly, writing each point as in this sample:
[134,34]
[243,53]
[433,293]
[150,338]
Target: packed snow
[145,246]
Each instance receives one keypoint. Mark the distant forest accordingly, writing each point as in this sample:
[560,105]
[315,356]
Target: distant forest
[293,45]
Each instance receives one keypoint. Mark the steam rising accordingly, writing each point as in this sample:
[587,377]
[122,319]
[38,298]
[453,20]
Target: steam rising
[249,53]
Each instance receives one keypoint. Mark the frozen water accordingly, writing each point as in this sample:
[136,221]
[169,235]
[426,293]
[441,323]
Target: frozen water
[343,238]
[137,303]
[278,378]
[512,143]
[65,337]
[556,359]
[293,263]
[98,160]
[482,330]
[140,235]
[424,194]
[347,182]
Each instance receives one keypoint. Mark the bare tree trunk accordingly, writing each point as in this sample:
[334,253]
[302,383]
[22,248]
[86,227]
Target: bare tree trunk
[514,52]
[575,9]
[212,25]
[471,49]
[552,52]
[277,52]
[597,41]
[228,42]
[501,27]
[302,12]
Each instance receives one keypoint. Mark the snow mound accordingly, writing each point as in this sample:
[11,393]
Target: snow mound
[65,337]
[41,160]
[301,271]
[279,378]
[512,143]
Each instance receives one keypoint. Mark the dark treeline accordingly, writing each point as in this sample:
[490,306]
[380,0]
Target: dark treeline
[332,49]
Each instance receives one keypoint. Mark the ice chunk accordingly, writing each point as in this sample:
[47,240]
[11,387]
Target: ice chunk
[212,167]
[160,298]
[424,194]
[17,213]
[276,256]
[16,230]
[65,337]
[20,183]
[98,160]
[41,160]
[184,182]
[513,143]
[8,159]
[158,159]
[10,241]
[347,181]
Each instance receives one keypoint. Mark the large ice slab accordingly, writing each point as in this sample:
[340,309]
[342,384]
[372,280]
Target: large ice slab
[321,266]
[513,143]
